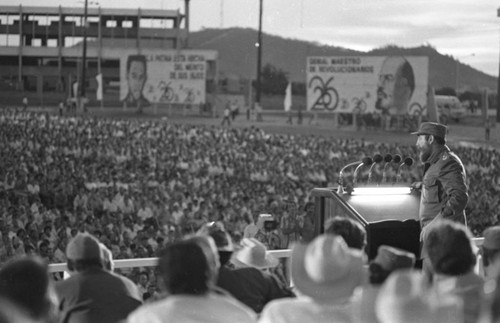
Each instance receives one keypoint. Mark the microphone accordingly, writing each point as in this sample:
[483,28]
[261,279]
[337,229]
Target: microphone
[408,162]
[377,158]
[367,161]
[387,160]
[340,189]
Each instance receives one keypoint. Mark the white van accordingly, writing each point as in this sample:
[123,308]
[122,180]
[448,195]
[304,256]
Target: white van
[449,107]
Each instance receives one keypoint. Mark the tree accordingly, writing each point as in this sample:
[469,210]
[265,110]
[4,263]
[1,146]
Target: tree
[446,91]
[274,80]
[470,96]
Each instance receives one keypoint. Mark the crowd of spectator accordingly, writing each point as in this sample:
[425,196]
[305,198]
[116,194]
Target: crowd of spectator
[138,184]
[332,281]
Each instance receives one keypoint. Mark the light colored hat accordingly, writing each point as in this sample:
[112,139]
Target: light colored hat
[326,269]
[391,258]
[254,254]
[83,246]
[403,298]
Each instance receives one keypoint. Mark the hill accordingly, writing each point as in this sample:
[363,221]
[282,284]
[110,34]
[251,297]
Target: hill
[238,56]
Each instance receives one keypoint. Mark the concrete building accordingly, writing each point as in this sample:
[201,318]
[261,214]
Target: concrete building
[42,49]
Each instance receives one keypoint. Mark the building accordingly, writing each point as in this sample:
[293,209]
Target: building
[43,49]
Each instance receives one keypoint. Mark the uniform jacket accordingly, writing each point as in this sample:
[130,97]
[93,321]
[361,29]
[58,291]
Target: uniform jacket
[444,188]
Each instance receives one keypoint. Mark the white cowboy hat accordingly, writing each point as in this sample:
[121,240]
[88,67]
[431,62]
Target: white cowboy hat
[254,254]
[326,269]
[403,298]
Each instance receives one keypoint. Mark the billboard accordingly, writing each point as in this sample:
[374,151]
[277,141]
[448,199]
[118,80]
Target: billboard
[163,76]
[391,85]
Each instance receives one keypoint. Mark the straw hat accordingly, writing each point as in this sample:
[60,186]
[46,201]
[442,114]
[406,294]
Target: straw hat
[254,254]
[326,269]
[403,298]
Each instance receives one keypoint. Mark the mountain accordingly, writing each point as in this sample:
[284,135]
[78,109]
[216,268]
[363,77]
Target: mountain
[238,57]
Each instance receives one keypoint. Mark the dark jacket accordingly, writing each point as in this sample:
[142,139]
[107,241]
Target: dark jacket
[130,101]
[96,295]
[252,287]
[444,188]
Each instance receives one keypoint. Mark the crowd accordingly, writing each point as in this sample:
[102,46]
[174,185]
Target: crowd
[204,278]
[137,185]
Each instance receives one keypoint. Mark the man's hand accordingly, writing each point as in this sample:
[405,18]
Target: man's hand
[416,186]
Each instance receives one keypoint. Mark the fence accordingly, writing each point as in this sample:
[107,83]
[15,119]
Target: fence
[152,262]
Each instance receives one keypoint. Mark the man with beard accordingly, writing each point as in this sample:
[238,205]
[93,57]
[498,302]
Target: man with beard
[444,189]
[395,86]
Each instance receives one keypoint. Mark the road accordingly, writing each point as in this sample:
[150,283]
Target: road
[468,132]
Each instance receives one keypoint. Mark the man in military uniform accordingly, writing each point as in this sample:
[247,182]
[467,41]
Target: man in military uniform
[444,188]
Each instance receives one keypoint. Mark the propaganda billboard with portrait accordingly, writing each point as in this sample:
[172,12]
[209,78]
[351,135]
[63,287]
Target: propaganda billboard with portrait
[390,85]
[163,77]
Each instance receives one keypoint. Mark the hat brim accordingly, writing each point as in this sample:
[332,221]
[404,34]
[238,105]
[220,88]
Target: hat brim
[418,133]
[269,262]
[325,291]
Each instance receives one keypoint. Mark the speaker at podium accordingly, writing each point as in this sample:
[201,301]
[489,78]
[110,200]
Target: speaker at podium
[388,213]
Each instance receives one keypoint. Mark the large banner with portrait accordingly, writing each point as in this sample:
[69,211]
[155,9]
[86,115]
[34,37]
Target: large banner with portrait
[393,85]
[163,77]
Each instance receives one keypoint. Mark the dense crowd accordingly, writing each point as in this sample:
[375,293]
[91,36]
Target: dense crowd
[139,184]
[205,279]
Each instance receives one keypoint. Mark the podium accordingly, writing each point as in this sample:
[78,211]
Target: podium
[388,213]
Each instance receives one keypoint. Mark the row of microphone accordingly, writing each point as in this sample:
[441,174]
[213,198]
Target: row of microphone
[377,159]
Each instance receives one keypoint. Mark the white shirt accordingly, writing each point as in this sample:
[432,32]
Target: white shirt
[178,216]
[190,308]
[304,309]
[145,213]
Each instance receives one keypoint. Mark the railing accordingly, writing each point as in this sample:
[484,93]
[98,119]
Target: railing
[152,262]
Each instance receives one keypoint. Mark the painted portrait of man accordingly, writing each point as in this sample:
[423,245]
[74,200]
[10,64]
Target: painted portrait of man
[136,76]
[395,86]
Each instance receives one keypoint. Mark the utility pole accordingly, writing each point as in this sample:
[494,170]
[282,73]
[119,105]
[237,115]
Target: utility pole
[84,57]
[186,21]
[457,72]
[259,56]
[498,83]
[221,13]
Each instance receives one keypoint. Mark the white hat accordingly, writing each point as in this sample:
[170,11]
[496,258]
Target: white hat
[404,298]
[326,269]
[254,254]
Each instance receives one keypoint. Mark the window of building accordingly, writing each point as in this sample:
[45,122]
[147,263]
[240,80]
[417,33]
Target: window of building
[111,23]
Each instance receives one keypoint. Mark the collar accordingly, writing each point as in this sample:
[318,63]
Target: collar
[436,154]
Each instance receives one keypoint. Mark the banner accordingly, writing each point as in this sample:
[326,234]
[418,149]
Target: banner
[432,110]
[98,94]
[390,85]
[163,77]
[287,103]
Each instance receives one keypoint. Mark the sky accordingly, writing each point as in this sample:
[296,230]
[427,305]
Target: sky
[467,30]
